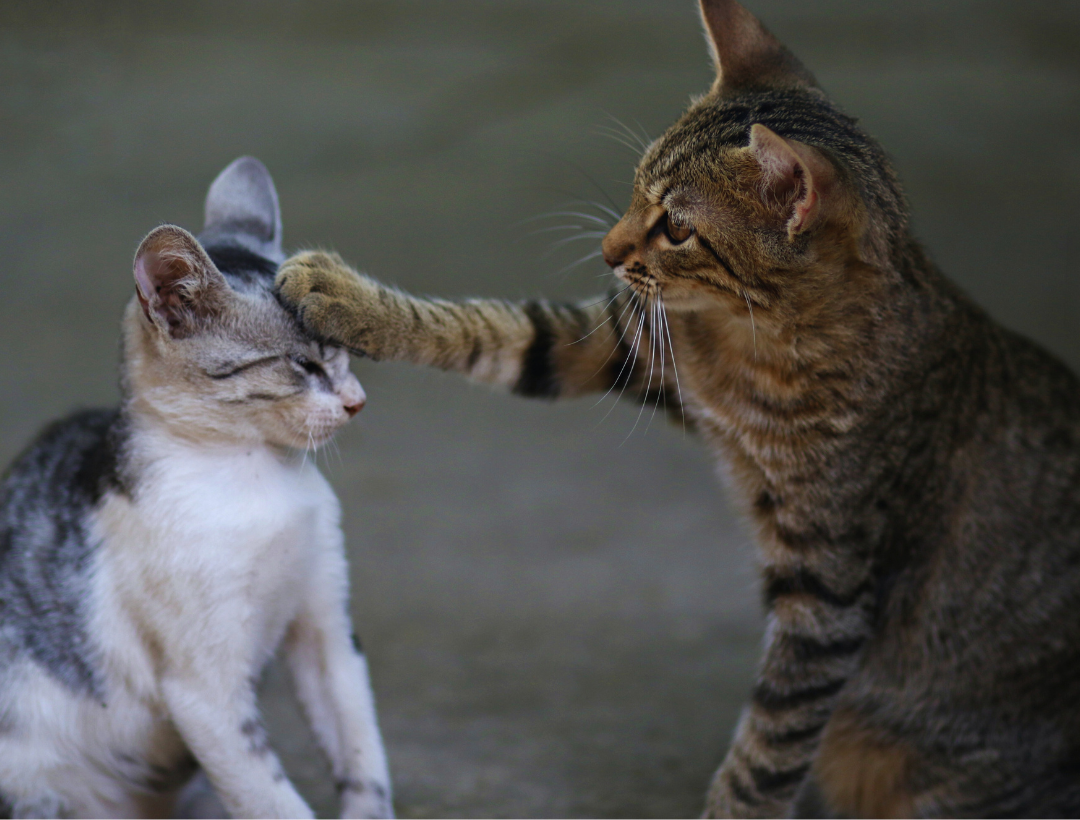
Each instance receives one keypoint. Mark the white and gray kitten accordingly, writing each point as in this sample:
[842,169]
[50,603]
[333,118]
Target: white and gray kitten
[154,557]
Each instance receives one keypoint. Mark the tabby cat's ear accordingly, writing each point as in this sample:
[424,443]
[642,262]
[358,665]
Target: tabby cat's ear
[796,179]
[745,53]
[176,282]
[242,209]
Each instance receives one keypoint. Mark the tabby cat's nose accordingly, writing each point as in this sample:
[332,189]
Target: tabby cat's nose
[615,250]
[353,409]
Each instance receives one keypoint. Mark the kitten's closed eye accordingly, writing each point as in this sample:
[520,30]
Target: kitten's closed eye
[230,369]
[308,366]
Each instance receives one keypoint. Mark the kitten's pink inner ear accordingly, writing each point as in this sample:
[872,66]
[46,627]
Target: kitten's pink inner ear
[145,287]
[175,280]
[155,280]
[794,175]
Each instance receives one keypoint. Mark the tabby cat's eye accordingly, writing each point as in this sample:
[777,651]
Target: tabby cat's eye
[676,231]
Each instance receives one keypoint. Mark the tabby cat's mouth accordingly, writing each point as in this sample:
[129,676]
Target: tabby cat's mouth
[638,278]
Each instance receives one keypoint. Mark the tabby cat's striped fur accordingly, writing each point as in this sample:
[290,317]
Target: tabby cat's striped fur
[913,468]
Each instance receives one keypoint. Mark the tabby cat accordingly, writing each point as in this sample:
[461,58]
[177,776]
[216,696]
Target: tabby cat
[912,468]
[154,556]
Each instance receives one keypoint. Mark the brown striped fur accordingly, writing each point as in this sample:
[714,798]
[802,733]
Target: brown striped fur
[912,468]
[862,773]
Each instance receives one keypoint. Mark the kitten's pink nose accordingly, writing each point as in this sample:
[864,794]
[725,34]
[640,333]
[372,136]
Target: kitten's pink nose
[352,395]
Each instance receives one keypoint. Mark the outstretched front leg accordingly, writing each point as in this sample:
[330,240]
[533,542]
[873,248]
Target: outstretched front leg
[535,348]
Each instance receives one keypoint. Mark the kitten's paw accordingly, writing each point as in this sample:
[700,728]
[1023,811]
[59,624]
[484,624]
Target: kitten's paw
[331,300]
[366,800]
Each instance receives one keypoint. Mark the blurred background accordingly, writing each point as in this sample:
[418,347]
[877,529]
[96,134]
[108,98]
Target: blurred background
[560,613]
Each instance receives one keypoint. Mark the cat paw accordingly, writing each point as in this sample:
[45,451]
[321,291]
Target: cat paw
[332,301]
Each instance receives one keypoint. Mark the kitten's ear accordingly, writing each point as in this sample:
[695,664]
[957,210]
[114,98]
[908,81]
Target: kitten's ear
[177,284]
[745,53]
[242,209]
[797,179]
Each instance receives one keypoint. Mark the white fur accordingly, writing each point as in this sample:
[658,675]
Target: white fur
[223,554]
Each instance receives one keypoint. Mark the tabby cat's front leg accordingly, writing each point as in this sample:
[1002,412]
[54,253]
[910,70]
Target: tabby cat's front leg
[817,626]
[535,348]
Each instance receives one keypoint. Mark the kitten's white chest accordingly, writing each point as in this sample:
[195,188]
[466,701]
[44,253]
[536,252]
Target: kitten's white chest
[251,515]
[220,539]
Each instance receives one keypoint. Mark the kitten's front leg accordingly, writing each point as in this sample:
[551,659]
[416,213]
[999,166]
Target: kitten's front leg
[331,677]
[222,727]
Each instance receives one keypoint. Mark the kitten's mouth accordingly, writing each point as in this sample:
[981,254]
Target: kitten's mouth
[317,437]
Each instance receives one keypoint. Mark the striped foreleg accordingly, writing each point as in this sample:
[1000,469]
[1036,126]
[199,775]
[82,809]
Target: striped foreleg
[535,348]
[815,634]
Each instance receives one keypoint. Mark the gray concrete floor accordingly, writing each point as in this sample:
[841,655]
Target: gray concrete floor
[561,618]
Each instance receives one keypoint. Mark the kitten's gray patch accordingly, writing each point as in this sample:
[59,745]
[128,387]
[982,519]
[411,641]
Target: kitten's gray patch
[255,732]
[242,269]
[45,550]
[155,778]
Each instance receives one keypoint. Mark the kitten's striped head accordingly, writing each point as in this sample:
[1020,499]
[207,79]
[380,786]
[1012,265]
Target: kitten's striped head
[754,194]
[208,348]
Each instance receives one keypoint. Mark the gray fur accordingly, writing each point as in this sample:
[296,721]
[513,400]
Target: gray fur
[45,550]
[242,208]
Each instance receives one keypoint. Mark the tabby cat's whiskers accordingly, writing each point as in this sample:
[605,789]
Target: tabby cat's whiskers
[612,134]
[652,366]
[674,366]
[631,360]
[631,305]
[626,136]
[586,258]
[607,315]
[753,327]
[663,393]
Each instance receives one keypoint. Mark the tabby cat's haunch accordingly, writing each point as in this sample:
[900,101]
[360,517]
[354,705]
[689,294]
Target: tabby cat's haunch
[913,469]
[153,557]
